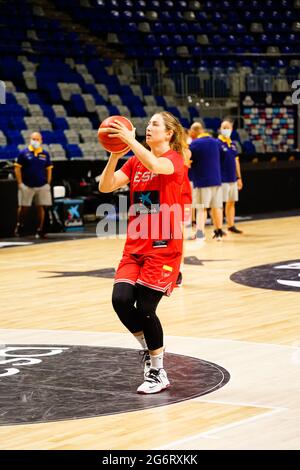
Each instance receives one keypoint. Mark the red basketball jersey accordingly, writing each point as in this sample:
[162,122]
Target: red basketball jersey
[154,224]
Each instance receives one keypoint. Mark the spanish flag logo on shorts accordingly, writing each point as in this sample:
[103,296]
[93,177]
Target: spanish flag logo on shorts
[167,268]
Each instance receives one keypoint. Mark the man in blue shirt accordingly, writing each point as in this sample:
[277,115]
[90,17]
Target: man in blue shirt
[205,175]
[33,171]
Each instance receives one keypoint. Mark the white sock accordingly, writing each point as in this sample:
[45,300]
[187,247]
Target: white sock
[141,340]
[157,362]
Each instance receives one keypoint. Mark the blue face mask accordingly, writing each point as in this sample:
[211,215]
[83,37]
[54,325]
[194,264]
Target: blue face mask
[35,144]
[226,133]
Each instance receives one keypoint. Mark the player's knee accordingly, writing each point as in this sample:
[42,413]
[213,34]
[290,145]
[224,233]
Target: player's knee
[122,297]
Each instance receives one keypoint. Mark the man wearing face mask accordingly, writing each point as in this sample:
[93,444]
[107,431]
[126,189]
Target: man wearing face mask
[205,174]
[33,172]
[230,172]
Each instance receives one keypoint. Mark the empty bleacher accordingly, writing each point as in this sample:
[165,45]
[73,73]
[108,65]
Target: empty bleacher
[57,82]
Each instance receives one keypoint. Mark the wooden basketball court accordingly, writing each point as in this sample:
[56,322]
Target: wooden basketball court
[49,296]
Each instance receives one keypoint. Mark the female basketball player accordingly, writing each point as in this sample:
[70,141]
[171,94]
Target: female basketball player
[151,259]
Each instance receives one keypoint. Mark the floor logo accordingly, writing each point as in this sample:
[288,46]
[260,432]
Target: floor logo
[107,273]
[41,383]
[276,276]
[23,356]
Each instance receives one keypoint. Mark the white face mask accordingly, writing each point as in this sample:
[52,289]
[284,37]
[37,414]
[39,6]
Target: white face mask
[35,143]
[226,133]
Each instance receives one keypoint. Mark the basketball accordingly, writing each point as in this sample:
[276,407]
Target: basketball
[113,144]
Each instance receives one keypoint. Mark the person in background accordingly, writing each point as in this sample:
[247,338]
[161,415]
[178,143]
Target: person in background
[193,133]
[33,171]
[196,129]
[230,172]
[205,174]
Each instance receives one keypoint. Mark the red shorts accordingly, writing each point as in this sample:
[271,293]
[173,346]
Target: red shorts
[156,271]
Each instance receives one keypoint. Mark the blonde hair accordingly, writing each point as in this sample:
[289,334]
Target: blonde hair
[187,156]
[178,139]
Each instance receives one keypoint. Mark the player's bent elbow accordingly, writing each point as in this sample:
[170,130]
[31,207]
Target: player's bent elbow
[104,188]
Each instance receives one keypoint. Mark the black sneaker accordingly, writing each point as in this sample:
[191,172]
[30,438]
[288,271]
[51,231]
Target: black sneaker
[19,231]
[179,281]
[218,234]
[199,236]
[40,234]
[233,229]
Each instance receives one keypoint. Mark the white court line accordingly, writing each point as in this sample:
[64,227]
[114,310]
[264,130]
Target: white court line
[169,348]
[33,244]
[52,242]
[210,434]
[228,340]
[11,244]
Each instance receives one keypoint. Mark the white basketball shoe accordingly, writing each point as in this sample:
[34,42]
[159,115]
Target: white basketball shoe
[156,380]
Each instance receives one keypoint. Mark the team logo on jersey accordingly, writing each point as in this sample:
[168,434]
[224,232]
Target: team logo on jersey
[146,202]
[284,276]
[143,176]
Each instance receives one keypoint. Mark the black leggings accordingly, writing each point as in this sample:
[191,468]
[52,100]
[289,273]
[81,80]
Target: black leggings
[142,316]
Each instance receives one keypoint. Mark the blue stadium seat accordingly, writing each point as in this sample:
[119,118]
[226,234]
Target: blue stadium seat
[248,147]
[9,152]
[183,28]
[146,90]
[10,98]
[169,51]
[17,123]
[14,137]
[194,112]
[170,28]
[73,151]
[60,123]
[161,101]
[78,104]
[163,40]
[157,27]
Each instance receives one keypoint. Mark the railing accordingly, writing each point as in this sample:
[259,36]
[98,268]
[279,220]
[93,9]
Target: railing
[205,84]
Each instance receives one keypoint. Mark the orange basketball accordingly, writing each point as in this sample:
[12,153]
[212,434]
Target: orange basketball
[113,144]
